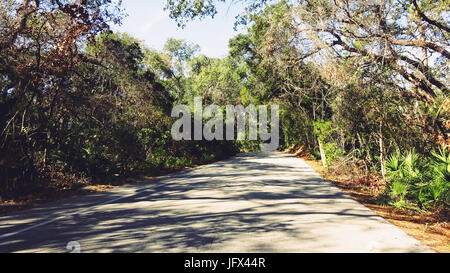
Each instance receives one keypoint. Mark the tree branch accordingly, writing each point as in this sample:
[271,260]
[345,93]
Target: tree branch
[428,20]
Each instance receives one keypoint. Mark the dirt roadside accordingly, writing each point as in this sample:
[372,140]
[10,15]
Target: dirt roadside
[432,228]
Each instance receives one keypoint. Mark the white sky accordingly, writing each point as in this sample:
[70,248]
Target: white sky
[148,22]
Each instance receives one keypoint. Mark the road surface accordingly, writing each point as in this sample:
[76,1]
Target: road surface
[254,202]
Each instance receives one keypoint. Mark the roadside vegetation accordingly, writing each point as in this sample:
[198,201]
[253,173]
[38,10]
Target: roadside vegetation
[81,104]
[361,86]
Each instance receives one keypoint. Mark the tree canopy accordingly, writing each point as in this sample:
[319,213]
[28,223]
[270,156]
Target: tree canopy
[361,84]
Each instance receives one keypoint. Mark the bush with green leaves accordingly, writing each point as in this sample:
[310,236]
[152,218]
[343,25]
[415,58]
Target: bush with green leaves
[424,181]
[332,152]
[436,188]
[406,166]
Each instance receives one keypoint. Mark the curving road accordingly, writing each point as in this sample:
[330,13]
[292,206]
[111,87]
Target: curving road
[254,202]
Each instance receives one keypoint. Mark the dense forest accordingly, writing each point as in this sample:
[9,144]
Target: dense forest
[362,85]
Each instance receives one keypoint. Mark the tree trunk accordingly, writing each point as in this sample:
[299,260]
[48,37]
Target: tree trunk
[322,154]
[383,170]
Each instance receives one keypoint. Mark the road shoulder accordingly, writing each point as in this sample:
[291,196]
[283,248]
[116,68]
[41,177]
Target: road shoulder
[429,228]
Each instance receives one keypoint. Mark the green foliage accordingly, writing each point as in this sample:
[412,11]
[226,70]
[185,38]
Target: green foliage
[208,157]
[101,114]
[248,146]
[172,162]
[217,80]
[399,189]
[351,102]
[332,152]
[393,163]
[184,11]
[323,129]
[403,166]
[82,100]
[171,66]
[424,181]
[440,164]
[296,127]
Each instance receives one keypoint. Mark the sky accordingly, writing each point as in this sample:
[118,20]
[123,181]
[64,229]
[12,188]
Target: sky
[148,22]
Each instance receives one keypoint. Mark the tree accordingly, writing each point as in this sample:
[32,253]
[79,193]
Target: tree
[218,82]
[171,65]
[39,52]
[183,11]
[408,36]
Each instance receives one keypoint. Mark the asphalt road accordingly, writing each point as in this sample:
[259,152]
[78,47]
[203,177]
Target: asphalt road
[254,202]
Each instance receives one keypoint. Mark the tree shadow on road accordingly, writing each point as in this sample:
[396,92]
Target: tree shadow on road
[228,206]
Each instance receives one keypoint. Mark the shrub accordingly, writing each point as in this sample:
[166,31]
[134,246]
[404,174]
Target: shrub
[424,181]
[403,166]
[399,189]
[332,152]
